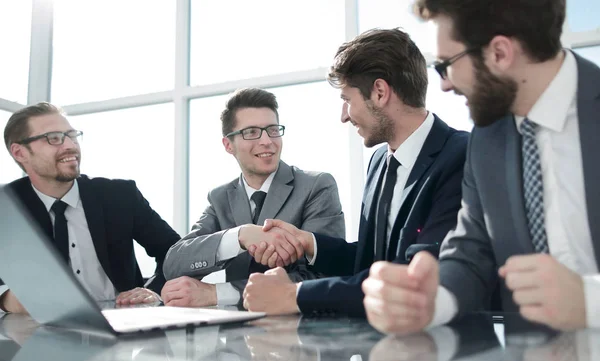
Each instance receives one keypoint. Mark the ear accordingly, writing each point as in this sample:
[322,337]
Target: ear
[381,93]
[19,152]
[500,53]
[227,143]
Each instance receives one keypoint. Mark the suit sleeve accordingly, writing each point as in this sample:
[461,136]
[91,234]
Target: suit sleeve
[467,263]
[195,255]
[154,234]
[322,214]
[337,295]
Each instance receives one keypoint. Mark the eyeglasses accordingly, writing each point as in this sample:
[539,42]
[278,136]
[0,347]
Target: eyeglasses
[251,133]
[55,138]
[442,66]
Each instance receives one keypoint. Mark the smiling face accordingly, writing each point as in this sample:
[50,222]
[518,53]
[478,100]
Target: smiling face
[372,123]
[49,163]
[257,157]
[490,97]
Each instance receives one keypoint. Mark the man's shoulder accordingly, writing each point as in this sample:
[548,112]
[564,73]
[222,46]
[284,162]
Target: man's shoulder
[310,176]
[105,183]
[224,188]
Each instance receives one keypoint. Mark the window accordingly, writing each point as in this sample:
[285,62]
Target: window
[9,170]
[314,140]
[138,144]
[393,14]
[234,40]
[15,34]
[582,15]
[110,49]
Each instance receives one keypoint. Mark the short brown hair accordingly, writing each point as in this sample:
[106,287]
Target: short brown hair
[17,127]
[387,54]
[537,24]
[246,98]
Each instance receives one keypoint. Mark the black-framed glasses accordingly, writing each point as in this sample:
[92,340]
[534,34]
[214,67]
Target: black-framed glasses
[251,133]
[442,66]
[55,138]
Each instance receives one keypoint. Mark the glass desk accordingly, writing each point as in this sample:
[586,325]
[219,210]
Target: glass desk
[477,337]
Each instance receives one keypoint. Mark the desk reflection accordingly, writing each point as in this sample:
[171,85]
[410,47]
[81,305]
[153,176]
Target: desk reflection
[301,338]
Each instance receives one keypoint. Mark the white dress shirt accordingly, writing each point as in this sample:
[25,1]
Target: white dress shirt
[230,246]
[82,254]
[406,155]
[565,210]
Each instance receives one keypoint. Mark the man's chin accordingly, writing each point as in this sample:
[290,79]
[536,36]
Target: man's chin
[65,178]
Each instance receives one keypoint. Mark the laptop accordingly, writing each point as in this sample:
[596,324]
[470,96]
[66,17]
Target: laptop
[46,286]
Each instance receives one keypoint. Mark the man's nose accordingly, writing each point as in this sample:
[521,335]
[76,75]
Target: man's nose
[345,116]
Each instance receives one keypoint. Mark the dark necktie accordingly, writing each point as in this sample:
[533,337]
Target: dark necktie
[383,209]
[533,188]
[259,198]
[61,232]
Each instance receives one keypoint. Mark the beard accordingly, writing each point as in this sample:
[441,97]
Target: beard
[383,130]
[492,96]
[68,177]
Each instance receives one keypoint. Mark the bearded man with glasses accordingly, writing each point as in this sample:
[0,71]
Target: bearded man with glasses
[231,224]
[91,221]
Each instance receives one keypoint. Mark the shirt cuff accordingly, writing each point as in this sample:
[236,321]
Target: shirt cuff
[313,259]
[227,294]
[446,342]
[591,292]
[445,307]
[3,290]
[230,245]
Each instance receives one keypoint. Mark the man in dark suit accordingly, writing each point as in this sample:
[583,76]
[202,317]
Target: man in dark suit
[412,193]
[530,218]
[308,200]
[92,222]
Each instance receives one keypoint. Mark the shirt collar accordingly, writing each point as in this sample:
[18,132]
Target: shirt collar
[71,198]
[409,150]
[551,109]
[265,186]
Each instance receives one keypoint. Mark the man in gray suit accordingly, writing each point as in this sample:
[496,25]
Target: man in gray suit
[530,217]
[267,188]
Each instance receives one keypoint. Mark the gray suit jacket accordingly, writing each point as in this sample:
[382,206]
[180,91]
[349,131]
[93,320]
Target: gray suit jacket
[308,200]
[492,224]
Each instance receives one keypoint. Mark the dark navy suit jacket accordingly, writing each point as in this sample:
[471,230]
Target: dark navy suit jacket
[427,214]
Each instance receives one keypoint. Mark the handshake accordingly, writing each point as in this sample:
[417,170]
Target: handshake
[276,243]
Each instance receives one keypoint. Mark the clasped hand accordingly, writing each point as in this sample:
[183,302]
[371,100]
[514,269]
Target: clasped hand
[276,244]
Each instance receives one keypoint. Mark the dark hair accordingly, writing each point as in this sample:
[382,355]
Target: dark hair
[246,98]
[537,24]
[17,127]
[387,54]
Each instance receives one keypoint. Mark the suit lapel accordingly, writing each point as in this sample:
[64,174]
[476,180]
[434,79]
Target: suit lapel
[588,110]
[34,204]
[94,215]
[514,184]
[239,203]
[366,236]
[278,192]
[431,148]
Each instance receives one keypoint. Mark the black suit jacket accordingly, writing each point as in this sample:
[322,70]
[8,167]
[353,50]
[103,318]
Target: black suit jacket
[428,213]
[116,213]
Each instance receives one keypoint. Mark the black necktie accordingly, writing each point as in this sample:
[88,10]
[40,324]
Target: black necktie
[259,198]
[383,209]
[61,232]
